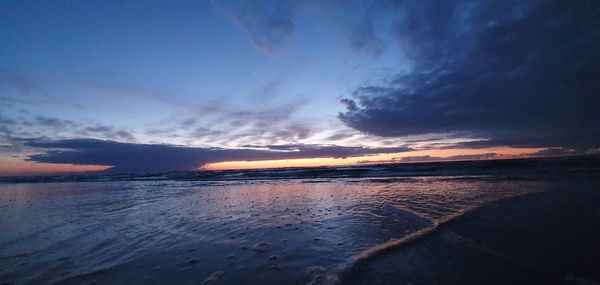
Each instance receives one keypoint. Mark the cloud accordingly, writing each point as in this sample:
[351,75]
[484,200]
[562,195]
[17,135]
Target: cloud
[428,158]
[521,142]
[189,123]
[340,136]
[329,150]
[268,23]
[110,132]
[237,126]
[524,73]
[362,36]
[99,129]
[53,122]
[124,135]
[556,151]
[17,81]
[6,135]
[131,157]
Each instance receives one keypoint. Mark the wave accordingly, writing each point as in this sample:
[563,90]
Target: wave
[344,271]
[318,275]
[498,169]
[393,244]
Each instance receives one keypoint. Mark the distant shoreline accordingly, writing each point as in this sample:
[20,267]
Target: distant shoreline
[405,169]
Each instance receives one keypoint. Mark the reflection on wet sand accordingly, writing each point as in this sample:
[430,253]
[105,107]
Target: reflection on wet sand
[189,232]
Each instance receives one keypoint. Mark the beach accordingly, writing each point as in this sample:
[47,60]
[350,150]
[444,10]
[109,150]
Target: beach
[507,222]
[300,142]
[542,238]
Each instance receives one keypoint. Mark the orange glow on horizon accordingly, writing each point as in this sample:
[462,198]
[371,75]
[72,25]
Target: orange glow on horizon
[503,152]
[14,168]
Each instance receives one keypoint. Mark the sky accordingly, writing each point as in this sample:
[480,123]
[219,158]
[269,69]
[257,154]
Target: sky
[144,86]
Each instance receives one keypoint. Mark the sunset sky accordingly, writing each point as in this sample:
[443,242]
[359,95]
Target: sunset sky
[137,86]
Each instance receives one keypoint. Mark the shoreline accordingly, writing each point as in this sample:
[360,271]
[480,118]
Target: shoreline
[326,233]
[539,238]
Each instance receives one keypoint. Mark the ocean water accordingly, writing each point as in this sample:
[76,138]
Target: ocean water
[287,226]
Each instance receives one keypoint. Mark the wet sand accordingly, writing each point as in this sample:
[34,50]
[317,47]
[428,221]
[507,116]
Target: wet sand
[520,222]
[269,232]
[541,238]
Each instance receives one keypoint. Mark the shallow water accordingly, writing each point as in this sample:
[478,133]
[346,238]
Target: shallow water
[289,226]
[264,231]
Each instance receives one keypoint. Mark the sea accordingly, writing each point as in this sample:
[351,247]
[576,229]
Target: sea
[417,223]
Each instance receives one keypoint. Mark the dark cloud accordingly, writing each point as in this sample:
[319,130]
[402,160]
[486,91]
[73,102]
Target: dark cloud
[349,104]
[516,73]
[130,157]
[555,151]
[428,158]
[522,142]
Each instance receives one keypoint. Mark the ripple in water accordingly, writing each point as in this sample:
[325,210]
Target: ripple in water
[267,232]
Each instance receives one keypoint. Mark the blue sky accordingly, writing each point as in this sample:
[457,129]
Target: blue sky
[239,74]
[143,66]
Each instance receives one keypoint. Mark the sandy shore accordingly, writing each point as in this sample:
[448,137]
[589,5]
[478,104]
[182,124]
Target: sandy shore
[544,238]
[419,230]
